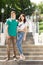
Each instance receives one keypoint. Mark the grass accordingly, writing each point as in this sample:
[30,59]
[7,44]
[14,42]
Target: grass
[40,27]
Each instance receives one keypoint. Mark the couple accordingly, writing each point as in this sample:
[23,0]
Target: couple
[15,30]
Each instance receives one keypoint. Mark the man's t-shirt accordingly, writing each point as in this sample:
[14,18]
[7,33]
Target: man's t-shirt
[12,27]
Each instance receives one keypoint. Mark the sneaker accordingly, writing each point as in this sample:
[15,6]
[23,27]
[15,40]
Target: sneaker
[7,59]
[15,59]
[22,57]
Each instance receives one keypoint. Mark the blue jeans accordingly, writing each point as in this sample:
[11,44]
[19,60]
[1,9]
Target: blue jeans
[19,41]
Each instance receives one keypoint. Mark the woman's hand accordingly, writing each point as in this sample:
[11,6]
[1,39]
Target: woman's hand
[25,33]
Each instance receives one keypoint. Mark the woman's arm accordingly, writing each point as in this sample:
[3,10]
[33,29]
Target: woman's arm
[25,30]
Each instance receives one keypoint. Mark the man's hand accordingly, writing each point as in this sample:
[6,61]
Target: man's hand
[8,37]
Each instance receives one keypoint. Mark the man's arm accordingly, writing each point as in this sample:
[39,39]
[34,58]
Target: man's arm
[6,30]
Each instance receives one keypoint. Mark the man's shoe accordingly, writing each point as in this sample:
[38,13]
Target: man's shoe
[7,59]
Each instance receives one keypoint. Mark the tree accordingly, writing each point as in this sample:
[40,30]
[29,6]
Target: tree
[20,5]
[17,5]
[30,9]
[40,6]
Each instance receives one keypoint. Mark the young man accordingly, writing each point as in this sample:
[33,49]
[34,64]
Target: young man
[11,28]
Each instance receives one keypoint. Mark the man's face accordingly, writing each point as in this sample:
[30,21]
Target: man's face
[13,15]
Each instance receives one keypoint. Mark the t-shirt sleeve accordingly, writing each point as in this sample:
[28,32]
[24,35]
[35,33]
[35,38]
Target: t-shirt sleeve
[7,22]
[17,23]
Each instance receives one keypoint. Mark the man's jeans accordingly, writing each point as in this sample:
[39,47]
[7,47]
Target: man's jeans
[8,45]
[19,41]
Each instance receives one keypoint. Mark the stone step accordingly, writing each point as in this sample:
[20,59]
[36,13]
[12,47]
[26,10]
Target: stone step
[11,62]
[4,48]
[31,62]
[25,50]
[26,46]
[25,53]
[28,57]
[25,62]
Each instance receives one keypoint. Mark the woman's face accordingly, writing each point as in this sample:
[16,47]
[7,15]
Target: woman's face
[22,18]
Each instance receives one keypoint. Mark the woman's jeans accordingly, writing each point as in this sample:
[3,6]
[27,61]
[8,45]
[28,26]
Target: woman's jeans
[19,41]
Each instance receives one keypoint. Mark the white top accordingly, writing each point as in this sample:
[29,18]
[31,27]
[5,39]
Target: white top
[22,25]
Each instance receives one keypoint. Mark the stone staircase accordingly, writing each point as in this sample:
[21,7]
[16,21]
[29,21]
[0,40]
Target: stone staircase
[33,54]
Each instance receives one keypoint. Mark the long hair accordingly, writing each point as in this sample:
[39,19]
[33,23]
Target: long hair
[24,18]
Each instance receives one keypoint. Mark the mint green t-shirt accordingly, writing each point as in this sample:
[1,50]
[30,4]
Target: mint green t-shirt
[12,27]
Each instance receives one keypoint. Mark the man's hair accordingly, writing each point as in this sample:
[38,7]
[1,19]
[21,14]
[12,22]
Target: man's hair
[13,12]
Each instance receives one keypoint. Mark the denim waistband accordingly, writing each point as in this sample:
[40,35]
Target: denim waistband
[20,32]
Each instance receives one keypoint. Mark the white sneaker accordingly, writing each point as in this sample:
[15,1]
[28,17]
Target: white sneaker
[22,57]
[7,59]
[15,59]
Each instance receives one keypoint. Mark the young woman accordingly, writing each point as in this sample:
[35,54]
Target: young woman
[22,29]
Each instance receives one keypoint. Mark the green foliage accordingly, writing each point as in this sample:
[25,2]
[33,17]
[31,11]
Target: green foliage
[18,5]
[40,6]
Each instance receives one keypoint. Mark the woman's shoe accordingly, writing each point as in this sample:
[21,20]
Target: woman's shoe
[22,57]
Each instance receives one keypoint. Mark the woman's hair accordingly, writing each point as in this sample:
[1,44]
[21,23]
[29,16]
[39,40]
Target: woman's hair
[19,19]
[24,18]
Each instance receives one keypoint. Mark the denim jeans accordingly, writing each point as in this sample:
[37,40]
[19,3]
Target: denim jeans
[19,41]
